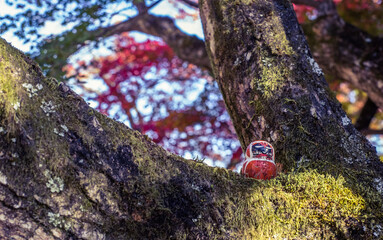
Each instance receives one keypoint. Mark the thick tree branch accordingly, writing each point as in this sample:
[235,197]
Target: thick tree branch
[345,52]
[188,48]
[67,171]
[140,5]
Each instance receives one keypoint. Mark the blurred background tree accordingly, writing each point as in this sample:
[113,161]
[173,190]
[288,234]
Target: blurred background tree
[139,62]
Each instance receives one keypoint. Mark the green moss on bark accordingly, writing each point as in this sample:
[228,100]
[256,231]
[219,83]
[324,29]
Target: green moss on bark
[275,91]
[304,204]
[12,66]
[272,78]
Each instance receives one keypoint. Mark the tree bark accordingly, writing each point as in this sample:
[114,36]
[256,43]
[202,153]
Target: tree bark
[275,91]
[69,172]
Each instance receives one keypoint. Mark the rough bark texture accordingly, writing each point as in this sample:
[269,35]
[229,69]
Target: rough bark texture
[69,172]
[274,90]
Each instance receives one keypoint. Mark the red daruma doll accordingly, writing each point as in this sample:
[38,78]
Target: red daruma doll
[260,161]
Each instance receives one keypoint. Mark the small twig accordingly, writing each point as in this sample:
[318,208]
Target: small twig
[154,4]
[142,8]
[372,131]
[191,3]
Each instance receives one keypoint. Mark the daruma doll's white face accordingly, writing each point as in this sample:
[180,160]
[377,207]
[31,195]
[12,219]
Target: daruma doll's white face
[260,150]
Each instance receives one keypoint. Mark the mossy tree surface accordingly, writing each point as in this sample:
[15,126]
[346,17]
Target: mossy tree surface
[275,91]
[68,172]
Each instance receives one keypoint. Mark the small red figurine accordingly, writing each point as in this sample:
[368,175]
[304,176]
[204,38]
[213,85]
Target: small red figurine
[260,161]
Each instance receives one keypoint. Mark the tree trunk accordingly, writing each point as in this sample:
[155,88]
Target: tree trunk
[69,172]
[275,91]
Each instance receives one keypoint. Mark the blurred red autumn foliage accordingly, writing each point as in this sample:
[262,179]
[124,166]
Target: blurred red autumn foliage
[175,103]
[178,104]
